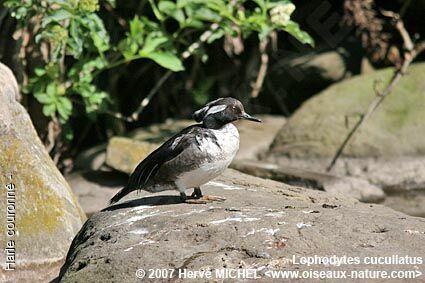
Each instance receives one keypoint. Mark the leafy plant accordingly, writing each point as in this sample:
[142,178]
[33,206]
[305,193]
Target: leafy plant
[79,48]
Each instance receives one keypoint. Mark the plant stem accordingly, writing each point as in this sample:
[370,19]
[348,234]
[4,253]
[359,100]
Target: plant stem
[412,51]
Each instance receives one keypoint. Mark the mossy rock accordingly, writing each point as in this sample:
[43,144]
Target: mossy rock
[47,215]
[395,129]
[123,154]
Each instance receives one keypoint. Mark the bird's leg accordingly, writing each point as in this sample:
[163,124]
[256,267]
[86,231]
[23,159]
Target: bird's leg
[192,199]
[198,198]
[197,193]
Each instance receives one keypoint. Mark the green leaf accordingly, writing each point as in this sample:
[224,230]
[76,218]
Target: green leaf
[178,15]
[294,29]
[52,71]
[44,98]
[75,41]
[182,3]
[56,16]
[206,14]
[39,72]
[51,89]
[216,35]
[65,4]
[155,10]
[193,23]
[170,8]
[151,43]
[64,107]
[100,42]
[49,109]
[217,5]
[98,32]
[65,103]
[167,60]
[136,27]
[167,7]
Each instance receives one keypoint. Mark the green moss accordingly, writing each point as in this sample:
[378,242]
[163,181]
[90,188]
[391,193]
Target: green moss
[43,209]
[38,208]
[124,154]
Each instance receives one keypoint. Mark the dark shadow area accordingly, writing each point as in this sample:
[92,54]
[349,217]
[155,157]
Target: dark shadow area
[154,200]
[107,179]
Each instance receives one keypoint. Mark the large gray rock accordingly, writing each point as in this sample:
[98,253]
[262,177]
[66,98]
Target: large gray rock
[91,159]
[260,226]
[256,138]
[123,154]
[94,189]
[396,129]
[359,189]
[389,151]
[42,211]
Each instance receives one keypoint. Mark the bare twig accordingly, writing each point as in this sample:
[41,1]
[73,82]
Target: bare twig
[53,131]
[403,9]
[258,84]
[376,87]
[145,102]
[410,53]
[399,25]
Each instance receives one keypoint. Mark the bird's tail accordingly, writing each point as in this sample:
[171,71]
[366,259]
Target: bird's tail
[122,193]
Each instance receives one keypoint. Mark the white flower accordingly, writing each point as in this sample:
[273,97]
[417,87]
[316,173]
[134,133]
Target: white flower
[281,14]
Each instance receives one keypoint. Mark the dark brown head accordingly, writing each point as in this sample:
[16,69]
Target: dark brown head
[218,113]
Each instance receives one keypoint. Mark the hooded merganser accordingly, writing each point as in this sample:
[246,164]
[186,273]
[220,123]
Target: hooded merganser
[194,156]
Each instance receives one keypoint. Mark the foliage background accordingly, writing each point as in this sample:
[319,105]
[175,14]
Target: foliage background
[82,63]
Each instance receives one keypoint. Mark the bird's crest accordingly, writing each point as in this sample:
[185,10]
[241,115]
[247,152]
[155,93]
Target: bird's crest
[211,108]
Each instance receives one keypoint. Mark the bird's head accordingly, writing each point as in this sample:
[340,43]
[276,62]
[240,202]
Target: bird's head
[217,113]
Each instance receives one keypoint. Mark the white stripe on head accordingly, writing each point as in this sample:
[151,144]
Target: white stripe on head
[215,109]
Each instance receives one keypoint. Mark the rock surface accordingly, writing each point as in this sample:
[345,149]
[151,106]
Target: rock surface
[124,153]
[46,214]
[409,202]
[356,188]
[94,189]
[260,226]
[389,151]
[391,174]
[91,159]
[396,129]
[256,138]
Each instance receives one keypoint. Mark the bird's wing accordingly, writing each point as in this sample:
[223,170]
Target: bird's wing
[148,168]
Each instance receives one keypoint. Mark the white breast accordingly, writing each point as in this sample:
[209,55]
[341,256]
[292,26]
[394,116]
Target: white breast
[221,157]
[228,139]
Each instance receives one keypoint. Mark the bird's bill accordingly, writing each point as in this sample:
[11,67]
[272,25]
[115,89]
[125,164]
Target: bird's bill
[246,116]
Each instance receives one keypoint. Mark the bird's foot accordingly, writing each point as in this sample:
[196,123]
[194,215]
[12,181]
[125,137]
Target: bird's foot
[204,199]
[210,198]
[195,201]
[195,198]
